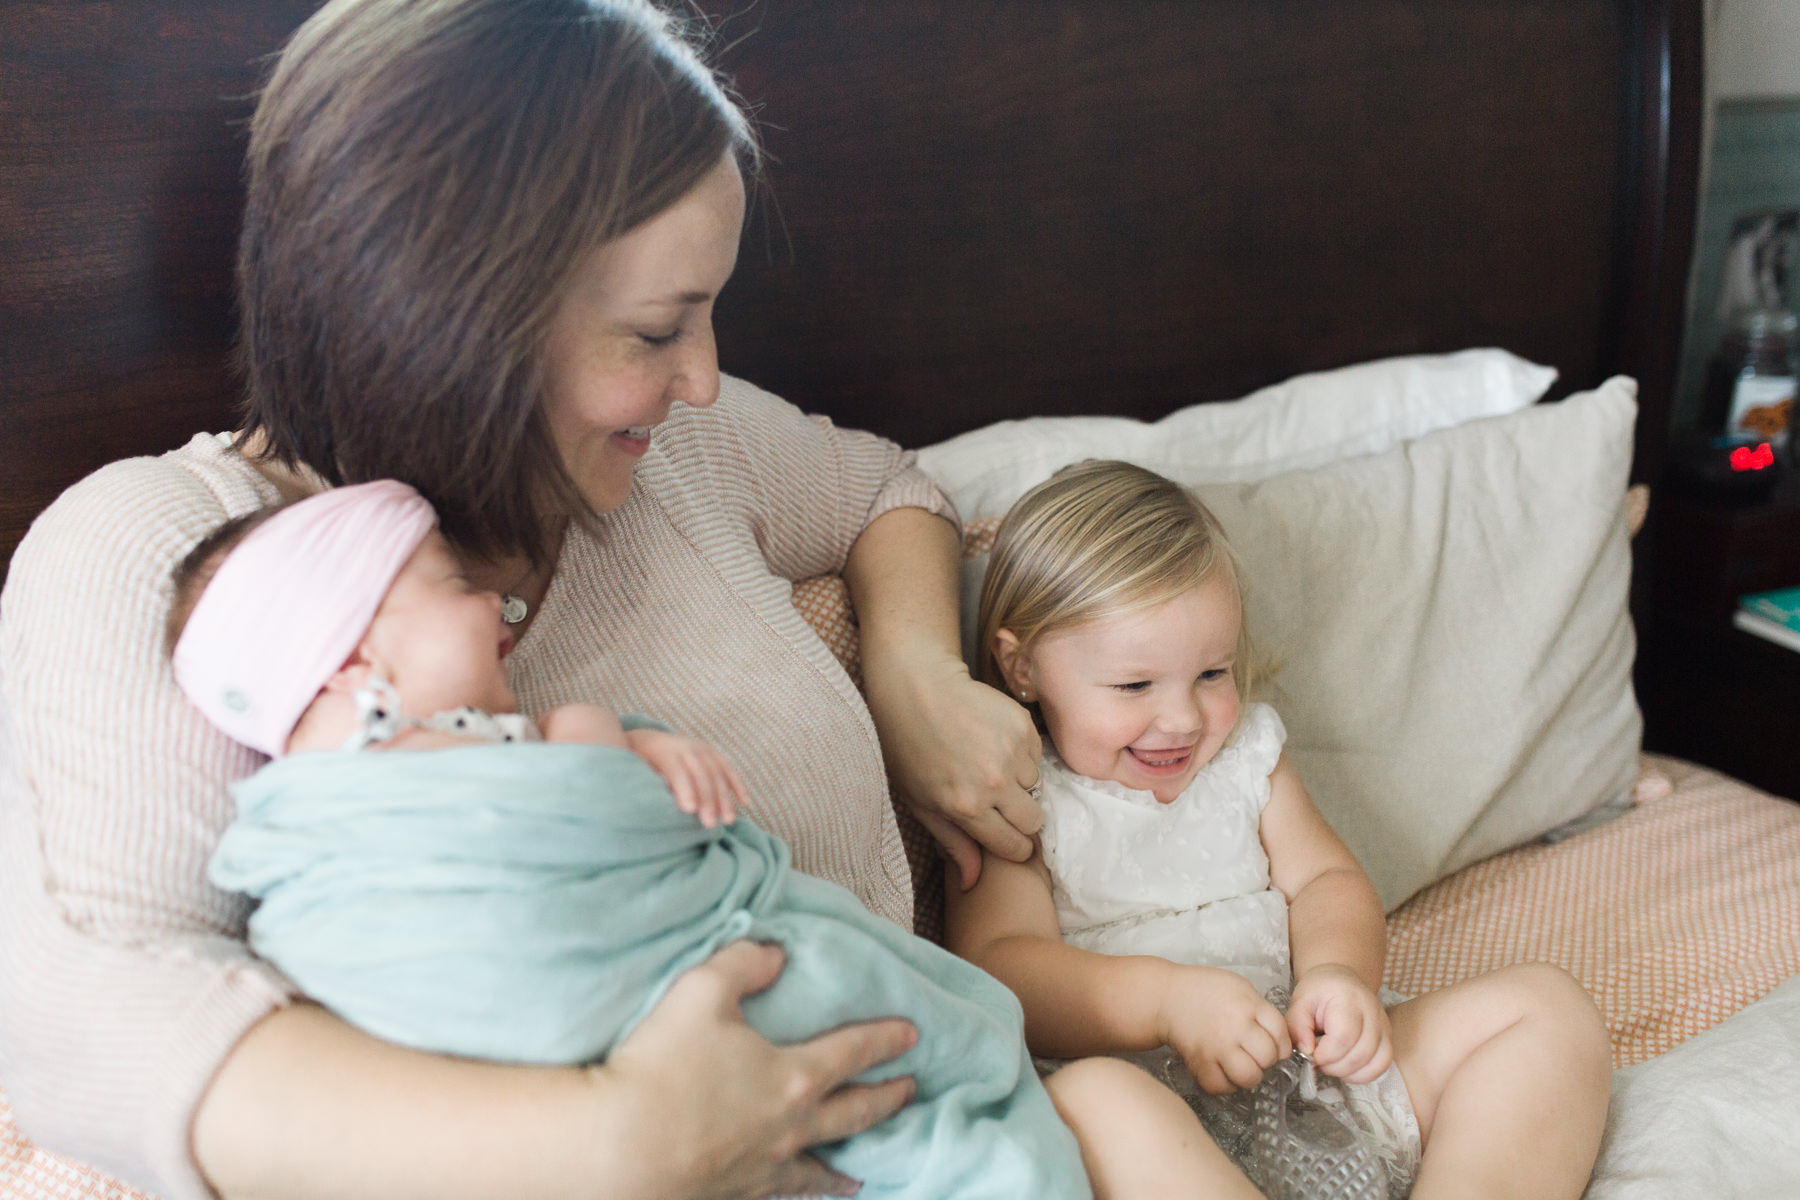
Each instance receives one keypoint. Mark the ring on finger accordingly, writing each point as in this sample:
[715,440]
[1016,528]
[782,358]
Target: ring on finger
[1036,790]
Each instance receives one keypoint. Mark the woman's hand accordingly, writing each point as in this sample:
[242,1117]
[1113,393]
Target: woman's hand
[732,1114]
[965,757]
[1224,1030]
[1338,1020]
[703,781]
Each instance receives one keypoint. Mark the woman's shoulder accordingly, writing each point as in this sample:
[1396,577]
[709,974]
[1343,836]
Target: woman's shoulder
[749,422]
[133,515]
[741,407]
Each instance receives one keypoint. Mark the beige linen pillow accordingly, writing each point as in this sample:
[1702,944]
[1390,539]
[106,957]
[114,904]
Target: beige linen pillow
[1450,622]
[1448,618]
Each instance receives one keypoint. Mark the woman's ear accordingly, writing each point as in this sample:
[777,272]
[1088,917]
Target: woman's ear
[1014,664]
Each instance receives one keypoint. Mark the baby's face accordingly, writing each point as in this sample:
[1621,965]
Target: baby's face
[441,642]
[1147,697]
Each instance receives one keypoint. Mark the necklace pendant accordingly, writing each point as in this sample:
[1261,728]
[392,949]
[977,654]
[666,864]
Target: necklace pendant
[513,609]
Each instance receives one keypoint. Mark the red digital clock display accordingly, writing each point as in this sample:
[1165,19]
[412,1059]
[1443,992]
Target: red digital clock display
[1753,458]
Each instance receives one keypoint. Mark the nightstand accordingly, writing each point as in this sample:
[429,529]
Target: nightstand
[1710,692]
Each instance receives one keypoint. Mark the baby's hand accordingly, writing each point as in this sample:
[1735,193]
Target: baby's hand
[1336,1018]
[704,784]
[1222,1027]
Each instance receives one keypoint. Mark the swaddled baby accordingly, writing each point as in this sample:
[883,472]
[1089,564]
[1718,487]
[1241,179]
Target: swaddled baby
[449,875]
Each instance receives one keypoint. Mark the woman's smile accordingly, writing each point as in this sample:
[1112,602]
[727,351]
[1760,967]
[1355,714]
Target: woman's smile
[634,440]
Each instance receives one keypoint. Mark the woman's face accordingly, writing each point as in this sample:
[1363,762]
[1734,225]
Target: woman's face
[634,335]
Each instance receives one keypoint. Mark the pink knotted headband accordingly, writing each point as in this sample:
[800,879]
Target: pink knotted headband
[290,603]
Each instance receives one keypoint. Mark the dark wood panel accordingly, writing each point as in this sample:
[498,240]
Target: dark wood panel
[120,152]
[974,210]
[982,211]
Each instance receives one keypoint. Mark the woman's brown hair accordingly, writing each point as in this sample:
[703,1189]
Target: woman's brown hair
[424,177]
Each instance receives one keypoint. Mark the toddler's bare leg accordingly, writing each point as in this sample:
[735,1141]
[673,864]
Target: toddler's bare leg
[1509,1074]
[1139,1139]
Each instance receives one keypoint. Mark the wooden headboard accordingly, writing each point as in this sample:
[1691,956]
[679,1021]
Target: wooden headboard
[972,210]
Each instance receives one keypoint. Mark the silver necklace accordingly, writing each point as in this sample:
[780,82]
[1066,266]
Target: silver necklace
[513,607]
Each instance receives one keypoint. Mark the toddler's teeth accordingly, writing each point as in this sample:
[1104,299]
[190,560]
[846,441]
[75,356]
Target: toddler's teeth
[637,431]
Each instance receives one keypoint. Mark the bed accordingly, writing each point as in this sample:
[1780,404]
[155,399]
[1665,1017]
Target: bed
[1248,240]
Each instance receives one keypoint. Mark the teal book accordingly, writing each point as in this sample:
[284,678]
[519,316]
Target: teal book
[1774,615]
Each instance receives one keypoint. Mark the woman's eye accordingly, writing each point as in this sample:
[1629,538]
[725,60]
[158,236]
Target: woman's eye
[661,339]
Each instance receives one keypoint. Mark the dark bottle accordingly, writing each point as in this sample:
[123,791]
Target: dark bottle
[1750,380]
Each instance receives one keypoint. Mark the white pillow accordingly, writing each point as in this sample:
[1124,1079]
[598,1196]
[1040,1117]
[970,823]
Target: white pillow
[1307,421]
[1449,619]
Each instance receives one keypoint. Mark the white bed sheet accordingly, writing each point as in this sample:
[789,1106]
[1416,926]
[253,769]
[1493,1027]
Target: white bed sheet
[1716,1117]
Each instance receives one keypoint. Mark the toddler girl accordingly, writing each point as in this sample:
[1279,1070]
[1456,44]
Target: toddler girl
[451,876]
[1185,882]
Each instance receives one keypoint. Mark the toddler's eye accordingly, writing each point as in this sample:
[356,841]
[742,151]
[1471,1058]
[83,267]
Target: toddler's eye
[1139,686]
[1214,675]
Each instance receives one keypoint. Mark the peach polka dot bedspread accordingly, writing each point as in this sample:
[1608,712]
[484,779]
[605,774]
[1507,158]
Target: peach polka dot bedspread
[1674,916]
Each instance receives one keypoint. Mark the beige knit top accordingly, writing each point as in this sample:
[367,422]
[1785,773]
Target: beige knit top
[124,979]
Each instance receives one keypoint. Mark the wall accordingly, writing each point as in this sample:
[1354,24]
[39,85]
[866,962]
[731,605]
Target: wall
[1752,160]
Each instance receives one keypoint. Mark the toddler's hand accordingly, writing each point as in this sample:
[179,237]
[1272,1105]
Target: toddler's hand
[1222,1027]
[1336,1018]
[703,782]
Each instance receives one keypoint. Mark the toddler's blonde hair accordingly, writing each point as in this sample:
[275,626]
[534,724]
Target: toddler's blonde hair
[1094,540]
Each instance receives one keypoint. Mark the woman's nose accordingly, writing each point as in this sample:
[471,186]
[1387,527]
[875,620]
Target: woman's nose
[696,382]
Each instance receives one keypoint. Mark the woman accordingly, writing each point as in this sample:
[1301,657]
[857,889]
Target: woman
[481,249]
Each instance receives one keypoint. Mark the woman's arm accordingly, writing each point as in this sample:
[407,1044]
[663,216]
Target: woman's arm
[306,1107]
[824,500]
[961,752]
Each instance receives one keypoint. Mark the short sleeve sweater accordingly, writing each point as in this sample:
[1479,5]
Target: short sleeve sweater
[124,979]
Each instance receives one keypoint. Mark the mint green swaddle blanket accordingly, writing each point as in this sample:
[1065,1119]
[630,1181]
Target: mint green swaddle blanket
[531,902]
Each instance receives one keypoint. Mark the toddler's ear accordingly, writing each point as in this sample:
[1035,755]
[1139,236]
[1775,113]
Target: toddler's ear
[1014,663]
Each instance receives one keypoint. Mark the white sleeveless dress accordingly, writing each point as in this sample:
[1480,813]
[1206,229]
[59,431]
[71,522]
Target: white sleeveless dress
[1188,881]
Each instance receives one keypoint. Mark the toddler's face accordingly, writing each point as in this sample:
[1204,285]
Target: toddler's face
[1147,697]
[441,642]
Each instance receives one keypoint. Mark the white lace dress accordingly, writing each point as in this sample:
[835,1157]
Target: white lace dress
[1189,881]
